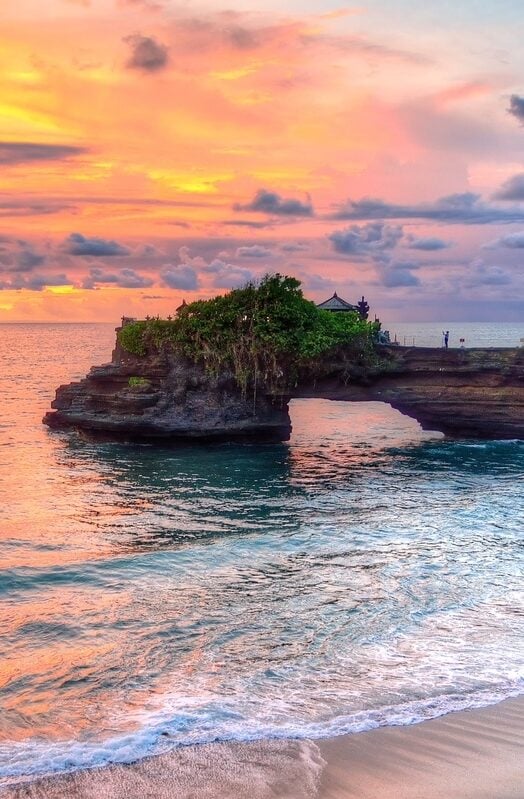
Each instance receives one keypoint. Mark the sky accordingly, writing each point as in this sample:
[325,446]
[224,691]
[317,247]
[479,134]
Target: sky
[153,151]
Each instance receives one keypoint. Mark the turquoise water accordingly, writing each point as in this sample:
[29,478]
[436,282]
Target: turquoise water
[366,573]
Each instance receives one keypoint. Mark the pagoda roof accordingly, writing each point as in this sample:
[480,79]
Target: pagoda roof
[336,303]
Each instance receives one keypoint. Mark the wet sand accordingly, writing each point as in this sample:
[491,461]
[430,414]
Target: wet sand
[476,754]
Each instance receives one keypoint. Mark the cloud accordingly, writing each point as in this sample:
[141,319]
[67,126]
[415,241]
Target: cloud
[246,223]
[514,241]
[366,239]
[360,46]
[466,208]
[374,242]
[429,244]
[393,278]
[255,251]
[36,282]
[28,259]
[241,38]
[77,244]
[149,5]
[395,274]
[21,208]
[512,189]
[318,282]
[231,277]
[269,202]
[26,152]
[291,246]
[147,54]
[484,275]
[516,107]
[180,276]
[19,256]
[124,278]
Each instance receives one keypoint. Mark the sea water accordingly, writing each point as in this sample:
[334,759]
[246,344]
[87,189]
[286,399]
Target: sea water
[366,573]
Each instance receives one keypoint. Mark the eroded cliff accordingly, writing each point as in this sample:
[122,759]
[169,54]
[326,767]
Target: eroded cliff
[160,396]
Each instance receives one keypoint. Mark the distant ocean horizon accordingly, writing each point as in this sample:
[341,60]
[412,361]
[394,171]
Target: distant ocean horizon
[421,334]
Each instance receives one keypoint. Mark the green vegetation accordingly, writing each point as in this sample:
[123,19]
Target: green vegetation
[264,333]
[139,382]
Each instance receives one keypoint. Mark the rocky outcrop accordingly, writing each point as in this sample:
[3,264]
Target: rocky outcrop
[469,393]
[475,393]
[163,397]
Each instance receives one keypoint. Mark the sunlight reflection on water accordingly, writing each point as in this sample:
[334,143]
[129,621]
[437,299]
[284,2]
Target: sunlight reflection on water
[356,575]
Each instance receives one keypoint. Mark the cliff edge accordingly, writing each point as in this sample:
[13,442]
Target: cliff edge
[160,396]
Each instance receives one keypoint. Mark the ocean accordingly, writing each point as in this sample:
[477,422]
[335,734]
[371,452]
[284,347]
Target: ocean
[363,574]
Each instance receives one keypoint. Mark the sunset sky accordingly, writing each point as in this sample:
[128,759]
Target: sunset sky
[155,150]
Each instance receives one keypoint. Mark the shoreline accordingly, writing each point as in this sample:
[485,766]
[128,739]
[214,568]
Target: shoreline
[468,754]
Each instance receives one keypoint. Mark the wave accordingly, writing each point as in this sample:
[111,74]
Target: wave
[31,759]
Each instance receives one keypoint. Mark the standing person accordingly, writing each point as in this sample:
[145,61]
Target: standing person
[446,339]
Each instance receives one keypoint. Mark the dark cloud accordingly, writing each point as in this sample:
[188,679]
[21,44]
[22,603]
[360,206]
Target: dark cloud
[246,223]
[467,209]
[77,244]
[393,278]
[27,152]
[124,278]
[35,282]
[241,38]
[180,276]
[374,242]
[269,202]
[429,244]
[366,239]
[28,259]
[19,256]
[147,54]
[516,107]
[254,251]
[512,189]
[395,274]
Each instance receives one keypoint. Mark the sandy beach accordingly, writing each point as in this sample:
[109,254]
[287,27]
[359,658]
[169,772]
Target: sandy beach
[474,754]
[477,754]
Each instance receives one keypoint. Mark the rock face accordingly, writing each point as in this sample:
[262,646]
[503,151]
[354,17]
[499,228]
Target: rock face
[465,393]
[474,393]
[170,399]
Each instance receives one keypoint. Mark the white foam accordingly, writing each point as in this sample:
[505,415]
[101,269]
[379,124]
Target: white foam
[23,761]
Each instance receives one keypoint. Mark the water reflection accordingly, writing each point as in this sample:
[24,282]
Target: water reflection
[251,590]
[144,497]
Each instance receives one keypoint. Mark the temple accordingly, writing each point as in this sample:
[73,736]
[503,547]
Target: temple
[336,303]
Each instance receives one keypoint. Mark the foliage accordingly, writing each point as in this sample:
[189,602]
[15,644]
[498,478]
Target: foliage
[139,382]
[132,338]
[265,333]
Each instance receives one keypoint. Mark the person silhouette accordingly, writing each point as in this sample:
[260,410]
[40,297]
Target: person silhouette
[446,338]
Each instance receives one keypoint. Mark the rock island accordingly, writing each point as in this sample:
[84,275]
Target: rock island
[227,368]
